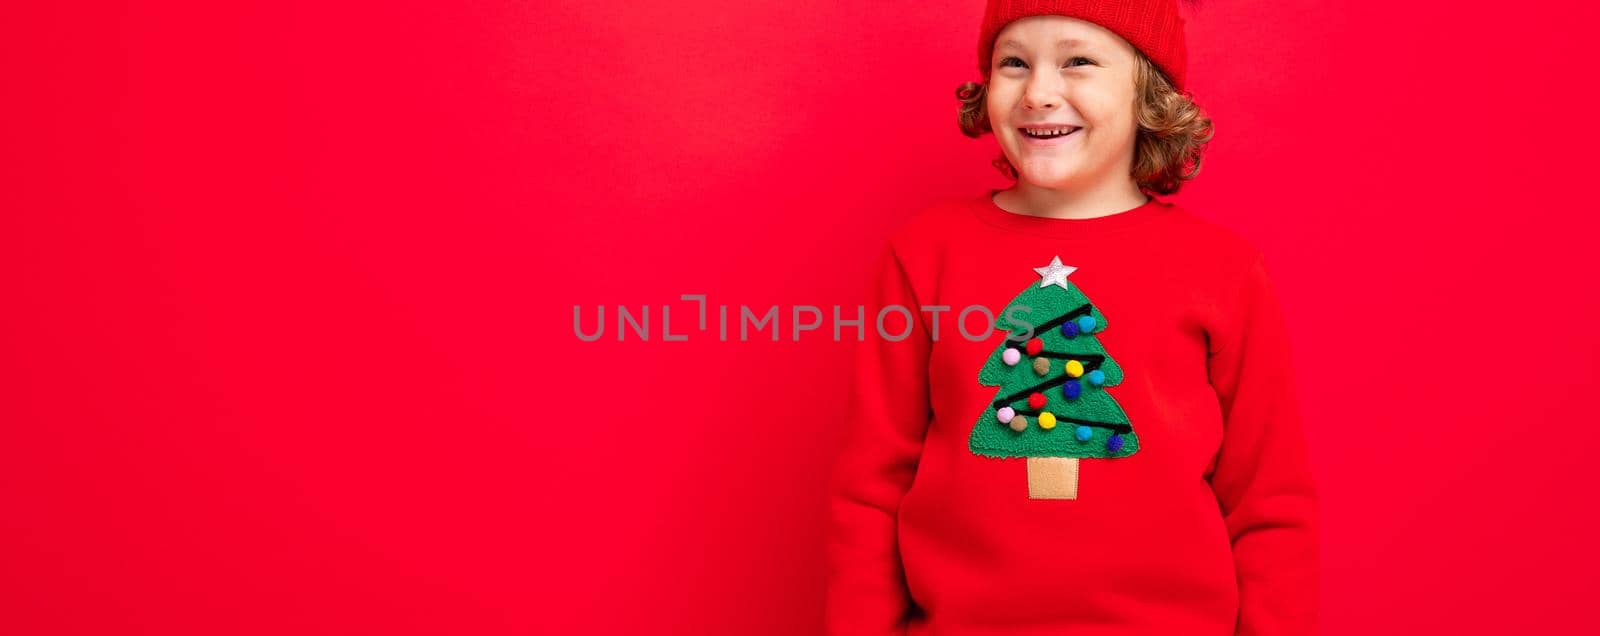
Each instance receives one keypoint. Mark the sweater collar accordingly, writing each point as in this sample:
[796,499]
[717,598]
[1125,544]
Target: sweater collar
[992,213]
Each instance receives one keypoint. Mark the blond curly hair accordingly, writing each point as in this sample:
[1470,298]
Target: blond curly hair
[1172,136]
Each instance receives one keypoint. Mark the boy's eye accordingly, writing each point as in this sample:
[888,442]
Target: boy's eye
[1015,61]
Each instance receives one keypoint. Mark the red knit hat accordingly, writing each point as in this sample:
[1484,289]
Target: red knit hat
[1152,26]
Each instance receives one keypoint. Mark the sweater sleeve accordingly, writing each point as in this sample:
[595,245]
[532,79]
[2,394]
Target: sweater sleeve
[886,420]
[1262,476]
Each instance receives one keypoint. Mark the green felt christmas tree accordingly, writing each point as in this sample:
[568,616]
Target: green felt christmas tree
[1052,407]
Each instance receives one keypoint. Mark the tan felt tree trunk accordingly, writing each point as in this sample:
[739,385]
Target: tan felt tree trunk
[1052,478]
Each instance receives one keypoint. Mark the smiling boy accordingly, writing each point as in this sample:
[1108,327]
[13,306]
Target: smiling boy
[1142,469]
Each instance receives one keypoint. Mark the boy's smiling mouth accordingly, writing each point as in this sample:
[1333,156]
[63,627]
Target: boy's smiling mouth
[1048,132]
[1048,135]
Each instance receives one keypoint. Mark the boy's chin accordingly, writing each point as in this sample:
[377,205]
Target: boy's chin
[1050,179]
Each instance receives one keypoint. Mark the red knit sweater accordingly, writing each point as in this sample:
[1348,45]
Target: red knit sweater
[1206,528]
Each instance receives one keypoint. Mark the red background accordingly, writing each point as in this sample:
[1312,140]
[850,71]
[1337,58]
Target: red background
[287,341]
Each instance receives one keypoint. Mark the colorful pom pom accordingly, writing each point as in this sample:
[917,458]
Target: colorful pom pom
[1019,423]
[1097,377]
[1071,389]
[1041,366]
[1035,345]
[1069,329]
[1005,414]
[1074,368]
[1083,433]
[1085,324]
[1036,401]
[1114,444]
[1011,356]
[1047,420]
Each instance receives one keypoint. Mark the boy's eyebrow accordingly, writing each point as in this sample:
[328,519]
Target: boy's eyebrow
[1059,43]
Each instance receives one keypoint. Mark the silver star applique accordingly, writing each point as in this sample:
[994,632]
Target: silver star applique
[1055,273]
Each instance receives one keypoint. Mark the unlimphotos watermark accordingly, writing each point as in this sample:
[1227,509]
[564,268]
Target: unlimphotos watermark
[802,319]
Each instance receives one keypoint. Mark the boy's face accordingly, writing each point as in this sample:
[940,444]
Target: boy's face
[1055,72]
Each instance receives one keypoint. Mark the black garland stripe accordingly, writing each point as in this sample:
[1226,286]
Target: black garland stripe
[1095,360]
[1082,310]
[1117,428]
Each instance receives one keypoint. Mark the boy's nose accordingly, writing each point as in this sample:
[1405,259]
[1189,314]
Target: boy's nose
[1042,94]
[1041,103]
